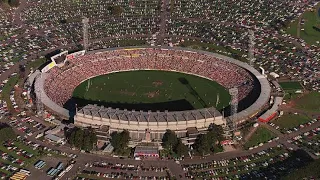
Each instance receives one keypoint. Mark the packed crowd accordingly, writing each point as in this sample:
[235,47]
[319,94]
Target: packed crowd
[61,83]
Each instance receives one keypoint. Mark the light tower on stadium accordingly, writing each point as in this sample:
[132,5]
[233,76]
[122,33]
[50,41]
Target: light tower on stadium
[85,22]
[39,96]
[251,47]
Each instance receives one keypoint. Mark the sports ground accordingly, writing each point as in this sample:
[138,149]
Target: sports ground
[291,85]
[152,90]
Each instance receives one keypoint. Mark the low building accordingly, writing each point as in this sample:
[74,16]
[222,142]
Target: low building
[271,113]
[146,151]
[192,134]
[108,148]
[274,75]
[54,138]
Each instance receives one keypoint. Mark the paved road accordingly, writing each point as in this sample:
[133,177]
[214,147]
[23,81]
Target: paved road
[284,137]
[163,21]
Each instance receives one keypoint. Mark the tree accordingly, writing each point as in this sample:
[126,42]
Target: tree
[78,140]
[71,138]
[12,3]
[202,145]
[6,133]
[120,142]
[216,131]
[181,149]
[87,144]
[212,137]
[84,139]
[22,71]
[169,140]
[116,10]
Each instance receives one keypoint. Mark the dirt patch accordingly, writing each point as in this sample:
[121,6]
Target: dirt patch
[128,93]
[157,83]
[293,102]
[153,94]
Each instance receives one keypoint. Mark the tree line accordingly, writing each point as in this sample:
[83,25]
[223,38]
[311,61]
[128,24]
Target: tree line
[12,3]
[204,143]
[84,139]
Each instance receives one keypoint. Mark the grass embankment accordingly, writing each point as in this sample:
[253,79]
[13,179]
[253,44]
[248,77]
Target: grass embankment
[289,121]
[262,135]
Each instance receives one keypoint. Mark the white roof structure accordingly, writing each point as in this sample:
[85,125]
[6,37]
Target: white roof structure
[53,138]
[275,75]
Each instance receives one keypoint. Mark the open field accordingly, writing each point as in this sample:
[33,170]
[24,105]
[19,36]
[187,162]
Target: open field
[292,85]
[5,94]
[262,135]
[289,121]
[151,90]
[309,102]
[310,26]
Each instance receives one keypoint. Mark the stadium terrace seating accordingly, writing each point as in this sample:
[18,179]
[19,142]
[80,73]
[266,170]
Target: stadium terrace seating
[60,84]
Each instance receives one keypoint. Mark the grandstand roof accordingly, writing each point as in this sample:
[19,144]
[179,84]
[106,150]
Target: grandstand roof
[149,116]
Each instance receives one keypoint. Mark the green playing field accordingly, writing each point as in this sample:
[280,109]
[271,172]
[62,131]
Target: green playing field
[152,90]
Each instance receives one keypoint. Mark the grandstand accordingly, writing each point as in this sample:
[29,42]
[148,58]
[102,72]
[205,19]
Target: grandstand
[59,83]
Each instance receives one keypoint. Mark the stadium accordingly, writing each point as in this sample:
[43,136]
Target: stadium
[56,83]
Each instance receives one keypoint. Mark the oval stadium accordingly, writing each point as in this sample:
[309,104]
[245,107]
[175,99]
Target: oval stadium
[60,81]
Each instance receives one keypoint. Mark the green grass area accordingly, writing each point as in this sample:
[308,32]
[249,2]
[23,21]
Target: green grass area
[291,85]
[5,94]
[262,135]
[309,102]
[311,170]
[26,148]
[289,121]
[152,90]
[27,162]
[292,28]
[312,21]
[36,63]
[290,95]
[214,48]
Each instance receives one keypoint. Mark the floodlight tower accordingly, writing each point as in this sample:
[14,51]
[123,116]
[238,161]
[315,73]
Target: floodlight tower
[39,95]
[234,108]
[251,47]
[85,22]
